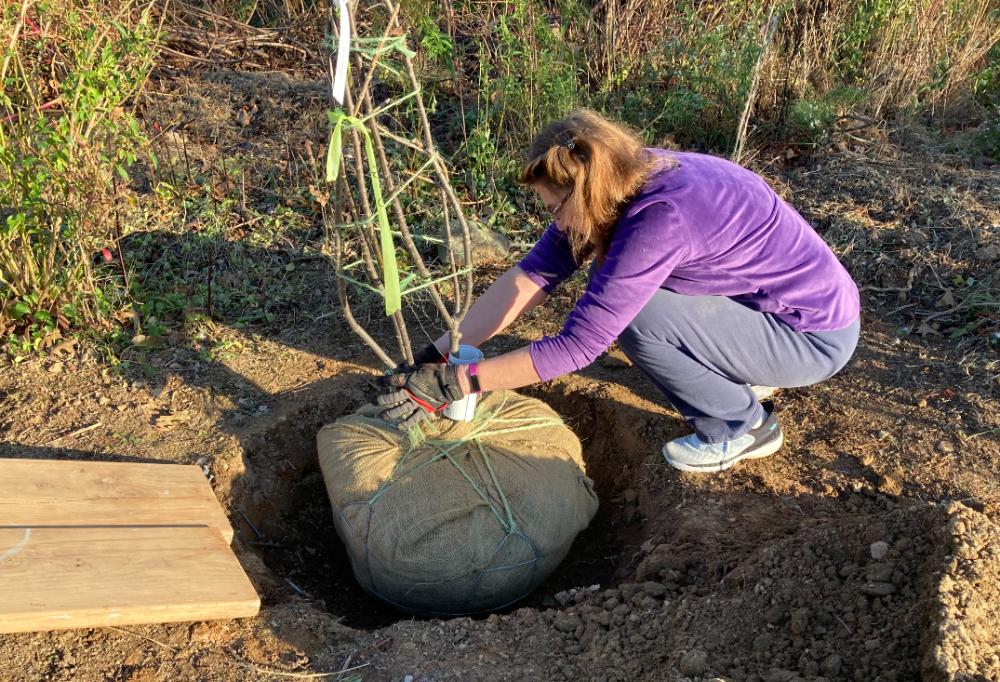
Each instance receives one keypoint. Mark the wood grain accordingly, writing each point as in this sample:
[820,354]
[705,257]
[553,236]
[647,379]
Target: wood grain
[37,492]
[55,578]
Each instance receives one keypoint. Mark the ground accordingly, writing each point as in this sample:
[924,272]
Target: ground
[865,550]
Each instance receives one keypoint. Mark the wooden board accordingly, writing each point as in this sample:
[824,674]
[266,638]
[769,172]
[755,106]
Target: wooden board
[41,492]
[55,578]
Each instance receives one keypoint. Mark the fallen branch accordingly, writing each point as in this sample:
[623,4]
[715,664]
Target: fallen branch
[73,434]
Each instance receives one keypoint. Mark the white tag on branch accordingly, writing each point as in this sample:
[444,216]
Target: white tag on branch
[343,53]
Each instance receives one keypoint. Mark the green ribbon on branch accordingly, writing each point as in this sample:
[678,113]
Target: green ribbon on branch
[390,269]
[382,46]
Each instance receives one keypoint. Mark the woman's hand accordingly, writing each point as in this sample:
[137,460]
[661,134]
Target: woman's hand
[414,396]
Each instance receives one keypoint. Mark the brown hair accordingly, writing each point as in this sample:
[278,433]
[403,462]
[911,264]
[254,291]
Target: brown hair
[601,163]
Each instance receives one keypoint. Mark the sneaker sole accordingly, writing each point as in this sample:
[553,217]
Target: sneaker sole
[763,392]
[765,450]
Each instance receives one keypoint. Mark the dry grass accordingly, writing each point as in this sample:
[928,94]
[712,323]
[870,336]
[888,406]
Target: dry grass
[68,71]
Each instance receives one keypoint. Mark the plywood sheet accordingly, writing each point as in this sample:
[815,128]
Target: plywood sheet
[55,578]
[37,492]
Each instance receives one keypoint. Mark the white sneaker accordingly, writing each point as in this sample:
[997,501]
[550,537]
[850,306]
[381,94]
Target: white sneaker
[690,453]
[763,392]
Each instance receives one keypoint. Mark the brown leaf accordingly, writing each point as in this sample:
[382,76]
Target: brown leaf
[318,196]
[66,347]
[947,300]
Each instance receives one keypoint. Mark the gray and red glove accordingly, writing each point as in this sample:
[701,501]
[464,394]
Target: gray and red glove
[425,356]
[416,395]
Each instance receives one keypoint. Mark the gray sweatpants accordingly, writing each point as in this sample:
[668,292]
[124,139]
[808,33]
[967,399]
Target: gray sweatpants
[702,351]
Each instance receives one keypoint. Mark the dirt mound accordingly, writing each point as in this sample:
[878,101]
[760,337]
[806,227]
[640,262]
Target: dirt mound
[817,605]
[964,638]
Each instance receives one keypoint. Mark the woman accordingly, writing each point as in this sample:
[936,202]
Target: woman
[708,280]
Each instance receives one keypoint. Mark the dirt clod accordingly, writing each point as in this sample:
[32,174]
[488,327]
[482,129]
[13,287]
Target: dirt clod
[944,447]
[876,588]
[694,662]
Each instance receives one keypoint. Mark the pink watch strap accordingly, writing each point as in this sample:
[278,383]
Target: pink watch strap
[474,377]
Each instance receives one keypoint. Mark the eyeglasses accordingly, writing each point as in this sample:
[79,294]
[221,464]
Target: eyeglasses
[555,211]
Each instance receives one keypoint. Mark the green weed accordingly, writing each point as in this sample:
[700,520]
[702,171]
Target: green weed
[66,140]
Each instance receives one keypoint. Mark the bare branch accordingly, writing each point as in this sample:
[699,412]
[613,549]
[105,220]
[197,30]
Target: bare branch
[360,102]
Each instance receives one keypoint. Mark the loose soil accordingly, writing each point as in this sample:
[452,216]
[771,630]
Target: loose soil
[865,550]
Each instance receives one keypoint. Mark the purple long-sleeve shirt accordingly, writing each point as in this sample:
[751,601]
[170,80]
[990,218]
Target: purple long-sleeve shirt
[704,227]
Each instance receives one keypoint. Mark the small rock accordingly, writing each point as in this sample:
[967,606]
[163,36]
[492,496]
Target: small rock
[879,550]
[832,664]
[944,447]
[487,246]
[694,663]
[614,362]
[408,678]
[892,482]
[104,400]
[878,589]
[56,368]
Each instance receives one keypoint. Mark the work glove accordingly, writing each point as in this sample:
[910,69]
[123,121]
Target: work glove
[425,356]
[413,396]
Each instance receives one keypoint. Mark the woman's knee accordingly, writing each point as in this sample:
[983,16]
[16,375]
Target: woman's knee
[663,324]
[838,351]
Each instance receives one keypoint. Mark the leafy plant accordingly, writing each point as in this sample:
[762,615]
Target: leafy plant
[66,137]
[436,43]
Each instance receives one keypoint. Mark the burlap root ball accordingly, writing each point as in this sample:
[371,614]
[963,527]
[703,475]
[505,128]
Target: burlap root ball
[468,518]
